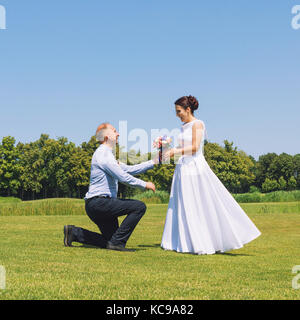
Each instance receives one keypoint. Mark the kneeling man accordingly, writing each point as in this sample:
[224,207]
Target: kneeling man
[101,202]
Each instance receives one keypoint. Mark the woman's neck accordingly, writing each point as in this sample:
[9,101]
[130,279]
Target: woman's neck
[190,119]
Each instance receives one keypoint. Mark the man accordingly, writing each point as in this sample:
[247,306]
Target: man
[101,202]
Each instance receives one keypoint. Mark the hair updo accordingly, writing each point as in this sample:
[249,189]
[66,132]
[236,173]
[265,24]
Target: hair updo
[188,101]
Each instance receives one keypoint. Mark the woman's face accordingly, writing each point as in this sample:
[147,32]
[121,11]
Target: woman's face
[181,113]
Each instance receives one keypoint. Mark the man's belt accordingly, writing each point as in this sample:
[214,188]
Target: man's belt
[106,197]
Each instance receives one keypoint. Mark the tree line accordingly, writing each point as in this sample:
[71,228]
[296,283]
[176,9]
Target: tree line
[49,168]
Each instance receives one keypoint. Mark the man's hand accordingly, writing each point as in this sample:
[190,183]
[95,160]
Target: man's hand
[150,186]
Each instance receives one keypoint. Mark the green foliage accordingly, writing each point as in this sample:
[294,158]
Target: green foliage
[292,183]
[262,167]
[297,169]
[47,164]
[282,183]
[233,167]
[270,185]
[54,207]
[57,168]
[161,176]
[247,197]
[78,174]
[150,197]
[254,189]
[9,200]
[280,168]
[9,166]
[276,196]
[281,165]
[91,146]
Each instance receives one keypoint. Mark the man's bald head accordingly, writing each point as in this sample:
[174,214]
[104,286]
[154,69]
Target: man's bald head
[100,132]
[106,132]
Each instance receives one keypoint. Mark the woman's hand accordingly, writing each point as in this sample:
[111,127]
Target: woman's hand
[169,154]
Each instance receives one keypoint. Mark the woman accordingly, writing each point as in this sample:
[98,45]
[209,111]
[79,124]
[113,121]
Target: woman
[202,216]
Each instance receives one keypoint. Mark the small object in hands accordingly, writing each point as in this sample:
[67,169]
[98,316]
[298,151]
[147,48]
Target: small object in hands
[161,143]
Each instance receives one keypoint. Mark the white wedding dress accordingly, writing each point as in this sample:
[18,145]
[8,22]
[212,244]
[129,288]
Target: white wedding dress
[202,216]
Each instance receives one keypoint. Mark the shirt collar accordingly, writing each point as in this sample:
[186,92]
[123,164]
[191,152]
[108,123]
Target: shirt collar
[105,147]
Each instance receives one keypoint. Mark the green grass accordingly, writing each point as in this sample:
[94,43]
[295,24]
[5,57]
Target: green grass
[255,197]
[148,196]
[67,207]
[9,199]
[38,266]
[276,196]
[45,207]
[62,206]
[271,207]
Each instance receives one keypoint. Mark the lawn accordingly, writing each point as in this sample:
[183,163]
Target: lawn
[38,266]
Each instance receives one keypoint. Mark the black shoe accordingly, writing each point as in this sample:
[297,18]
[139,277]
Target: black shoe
[68,235]
[111,246]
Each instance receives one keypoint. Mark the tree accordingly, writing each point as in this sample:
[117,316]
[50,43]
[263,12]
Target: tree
[60,165]
[56,167]
[283,165]
[262,168]
[233,167]
[297,169]
[91,146]
[282,183]
[79,172]
[292,183]
[31,163]
[270,185]
[9,166]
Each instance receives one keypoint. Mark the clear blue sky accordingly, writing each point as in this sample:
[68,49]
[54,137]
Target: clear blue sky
[66,66]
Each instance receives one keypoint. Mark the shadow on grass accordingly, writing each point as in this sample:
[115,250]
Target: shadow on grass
[157,245]
[149,245]
[86,246]
[233,254]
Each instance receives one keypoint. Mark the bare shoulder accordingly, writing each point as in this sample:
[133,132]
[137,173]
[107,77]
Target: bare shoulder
[198,125]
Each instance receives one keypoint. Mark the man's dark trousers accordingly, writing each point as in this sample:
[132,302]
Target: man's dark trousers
[104,212]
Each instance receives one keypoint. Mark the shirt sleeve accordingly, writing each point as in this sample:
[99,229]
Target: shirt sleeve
[111,167]
[138,168]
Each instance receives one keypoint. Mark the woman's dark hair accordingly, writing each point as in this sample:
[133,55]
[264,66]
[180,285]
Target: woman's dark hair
[188,101]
